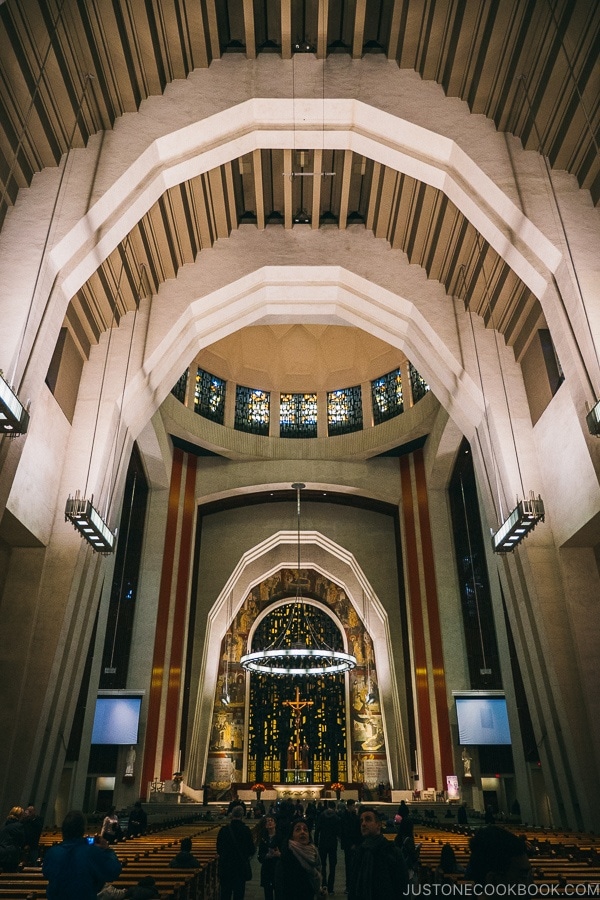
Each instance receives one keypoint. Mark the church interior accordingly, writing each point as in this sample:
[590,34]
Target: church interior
[300,360]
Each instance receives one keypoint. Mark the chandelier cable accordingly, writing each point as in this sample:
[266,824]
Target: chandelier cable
[297,649]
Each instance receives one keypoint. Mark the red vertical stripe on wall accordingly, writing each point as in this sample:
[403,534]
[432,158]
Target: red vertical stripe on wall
[433,614]
[162,623]
[418,631]
[170,755]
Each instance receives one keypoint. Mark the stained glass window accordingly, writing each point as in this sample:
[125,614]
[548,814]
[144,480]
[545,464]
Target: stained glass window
[298,415]
[344,411]
[209,396]
[387,396]
[418,384]
[252,410]
[180,387]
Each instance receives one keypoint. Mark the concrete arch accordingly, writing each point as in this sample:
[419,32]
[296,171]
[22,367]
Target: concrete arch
[280,294]
[271,123]
[334,562]
[331,124]
[339,295]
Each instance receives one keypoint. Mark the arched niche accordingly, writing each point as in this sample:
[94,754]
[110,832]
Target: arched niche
[334,563]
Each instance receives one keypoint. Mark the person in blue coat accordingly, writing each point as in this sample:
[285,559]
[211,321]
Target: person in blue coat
[77,869]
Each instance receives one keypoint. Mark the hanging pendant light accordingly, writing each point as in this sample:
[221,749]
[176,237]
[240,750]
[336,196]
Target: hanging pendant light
[297,649]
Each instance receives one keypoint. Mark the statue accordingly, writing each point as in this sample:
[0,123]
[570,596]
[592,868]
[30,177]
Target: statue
[130,761]
[304,752]
[295,748]
[290,756]
[466,759]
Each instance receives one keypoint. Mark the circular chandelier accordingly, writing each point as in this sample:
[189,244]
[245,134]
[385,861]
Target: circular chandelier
[297,649]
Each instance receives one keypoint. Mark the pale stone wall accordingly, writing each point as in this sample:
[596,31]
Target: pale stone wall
[51,593]
[368,536]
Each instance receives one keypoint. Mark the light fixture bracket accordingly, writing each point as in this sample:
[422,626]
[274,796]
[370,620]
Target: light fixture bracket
[86,519]
[521,521]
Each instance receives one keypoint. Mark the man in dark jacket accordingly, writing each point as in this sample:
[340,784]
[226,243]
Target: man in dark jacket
[32,825]
[235,848]
[350,836]
[327,833]
[76,869]
[378,869]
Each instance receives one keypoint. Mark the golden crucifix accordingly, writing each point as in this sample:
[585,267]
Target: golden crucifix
[297,706]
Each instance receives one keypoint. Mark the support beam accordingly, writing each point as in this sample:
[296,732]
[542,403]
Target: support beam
[359,29]
[286,29]
[249,33]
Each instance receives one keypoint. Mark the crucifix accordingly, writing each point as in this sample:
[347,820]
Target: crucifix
[297,706]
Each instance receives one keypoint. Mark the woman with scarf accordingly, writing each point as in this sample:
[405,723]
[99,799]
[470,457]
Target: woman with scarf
[298,871]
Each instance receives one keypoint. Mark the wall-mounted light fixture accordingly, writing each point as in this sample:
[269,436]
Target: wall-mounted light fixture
[86,519]
[593,420]
[523,519]
[14,417]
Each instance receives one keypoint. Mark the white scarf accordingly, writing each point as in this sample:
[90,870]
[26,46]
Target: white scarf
[308,857]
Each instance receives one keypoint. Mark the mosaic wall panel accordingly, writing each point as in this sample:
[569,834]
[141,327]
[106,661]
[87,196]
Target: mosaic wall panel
[355,754]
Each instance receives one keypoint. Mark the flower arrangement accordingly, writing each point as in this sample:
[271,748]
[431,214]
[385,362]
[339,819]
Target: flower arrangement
[337,786]
[258,787]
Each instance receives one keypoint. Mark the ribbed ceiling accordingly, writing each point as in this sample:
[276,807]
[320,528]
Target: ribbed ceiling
[529,65]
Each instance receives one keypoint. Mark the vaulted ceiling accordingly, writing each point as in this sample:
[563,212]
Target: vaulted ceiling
[531,66]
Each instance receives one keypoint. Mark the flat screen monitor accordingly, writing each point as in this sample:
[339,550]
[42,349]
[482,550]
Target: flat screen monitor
[116,720]
[482,720]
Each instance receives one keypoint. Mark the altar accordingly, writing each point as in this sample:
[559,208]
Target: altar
[298,791]
[297,776]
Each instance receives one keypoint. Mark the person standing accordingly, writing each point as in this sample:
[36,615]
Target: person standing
[350,836]
[32,825]
[378,869]
[259,810]
[236,801]
[298,871]
[327,833]
[403,816]
[12,840]
[235,848]
[311,815]
[269,851]
[76,869]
